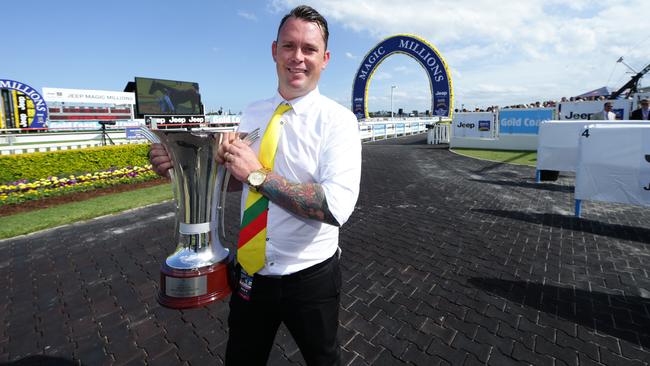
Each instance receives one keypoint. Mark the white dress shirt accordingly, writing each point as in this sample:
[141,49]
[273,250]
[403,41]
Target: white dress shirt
[604,115]
[319,143]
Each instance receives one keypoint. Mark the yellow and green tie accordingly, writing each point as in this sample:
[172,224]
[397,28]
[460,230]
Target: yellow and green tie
[251,247]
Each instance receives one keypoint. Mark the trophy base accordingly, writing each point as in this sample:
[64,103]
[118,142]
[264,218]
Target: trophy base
[183,289]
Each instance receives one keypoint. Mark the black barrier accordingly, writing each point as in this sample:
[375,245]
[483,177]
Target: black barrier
[548,175]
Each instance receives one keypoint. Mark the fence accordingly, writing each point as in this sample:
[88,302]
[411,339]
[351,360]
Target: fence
[46,141]
[372,131]
[439,133]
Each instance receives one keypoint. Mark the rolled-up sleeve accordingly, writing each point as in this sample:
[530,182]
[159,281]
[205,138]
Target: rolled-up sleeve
[340,165]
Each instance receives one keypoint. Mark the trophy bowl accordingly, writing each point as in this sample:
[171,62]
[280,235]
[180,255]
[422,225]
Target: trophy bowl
[196,274]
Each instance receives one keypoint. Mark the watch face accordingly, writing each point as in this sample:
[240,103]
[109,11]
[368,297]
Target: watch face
[256,178]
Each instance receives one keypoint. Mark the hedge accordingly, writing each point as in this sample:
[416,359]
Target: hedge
[66,162]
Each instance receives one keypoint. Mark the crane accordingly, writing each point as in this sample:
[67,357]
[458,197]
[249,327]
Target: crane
[632,85]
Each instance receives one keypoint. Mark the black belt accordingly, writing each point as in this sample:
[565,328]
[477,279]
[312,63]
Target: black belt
[305,272]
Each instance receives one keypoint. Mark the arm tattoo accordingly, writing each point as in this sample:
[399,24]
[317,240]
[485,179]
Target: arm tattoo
[305,200]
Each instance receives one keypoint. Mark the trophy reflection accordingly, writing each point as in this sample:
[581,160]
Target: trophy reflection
[196,274]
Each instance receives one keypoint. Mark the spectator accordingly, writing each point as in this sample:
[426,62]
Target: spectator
[606,114]
[642,113]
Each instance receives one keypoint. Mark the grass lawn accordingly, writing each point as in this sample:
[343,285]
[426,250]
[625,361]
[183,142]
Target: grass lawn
[28,222]
[505,156]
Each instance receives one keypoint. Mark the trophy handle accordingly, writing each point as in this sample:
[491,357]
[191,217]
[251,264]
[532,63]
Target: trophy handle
[217,232]
[149,135]
[222,202]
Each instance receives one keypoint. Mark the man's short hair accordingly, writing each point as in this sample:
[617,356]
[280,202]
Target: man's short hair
[309,14]
[644,101]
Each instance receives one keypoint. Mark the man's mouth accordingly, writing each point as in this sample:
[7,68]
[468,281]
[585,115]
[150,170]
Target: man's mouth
[297,70]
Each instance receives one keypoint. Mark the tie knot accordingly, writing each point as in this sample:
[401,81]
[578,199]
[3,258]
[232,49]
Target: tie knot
[282,108]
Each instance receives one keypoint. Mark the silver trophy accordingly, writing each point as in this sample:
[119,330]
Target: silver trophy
[196,274]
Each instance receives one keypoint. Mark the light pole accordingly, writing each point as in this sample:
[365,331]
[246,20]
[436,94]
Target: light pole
[391,100]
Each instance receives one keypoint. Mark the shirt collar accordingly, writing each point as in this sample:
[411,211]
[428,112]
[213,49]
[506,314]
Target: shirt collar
[300,104]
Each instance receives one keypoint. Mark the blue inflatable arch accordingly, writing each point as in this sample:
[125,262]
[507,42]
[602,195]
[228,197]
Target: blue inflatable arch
[424,53]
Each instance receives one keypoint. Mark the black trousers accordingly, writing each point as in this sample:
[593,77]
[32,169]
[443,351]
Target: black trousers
[307,302]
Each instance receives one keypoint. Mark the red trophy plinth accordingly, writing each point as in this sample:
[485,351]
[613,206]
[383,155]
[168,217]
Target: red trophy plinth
[182,289]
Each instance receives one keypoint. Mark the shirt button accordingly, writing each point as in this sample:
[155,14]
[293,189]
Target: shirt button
[271,264]
[281,122]
[267,239]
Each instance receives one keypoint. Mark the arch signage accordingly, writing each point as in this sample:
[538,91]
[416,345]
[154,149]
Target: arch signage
[424,53]
[23,106]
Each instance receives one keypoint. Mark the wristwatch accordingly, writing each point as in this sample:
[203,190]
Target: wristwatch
[256,178]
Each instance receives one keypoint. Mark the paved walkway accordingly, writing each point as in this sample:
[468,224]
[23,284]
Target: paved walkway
[446,261]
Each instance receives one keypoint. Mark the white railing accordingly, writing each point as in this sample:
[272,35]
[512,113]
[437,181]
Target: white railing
[439,134]
[372,131]
[43,142]
[56,146]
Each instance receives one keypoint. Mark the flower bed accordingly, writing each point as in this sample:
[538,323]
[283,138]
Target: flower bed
[23,190]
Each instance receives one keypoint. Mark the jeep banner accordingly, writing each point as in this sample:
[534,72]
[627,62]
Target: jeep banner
[474,125]
[174,121]
[586,109]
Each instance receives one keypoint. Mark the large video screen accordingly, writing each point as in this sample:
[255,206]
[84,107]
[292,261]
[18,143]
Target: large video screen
[155,96]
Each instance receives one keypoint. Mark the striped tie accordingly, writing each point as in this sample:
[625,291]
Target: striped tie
[251,247]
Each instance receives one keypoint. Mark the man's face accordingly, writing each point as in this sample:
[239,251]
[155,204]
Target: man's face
[299,56]
[645,105]
[608,107]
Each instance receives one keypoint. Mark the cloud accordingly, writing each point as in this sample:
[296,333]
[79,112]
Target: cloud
[351,56]
[247,16]
[381,75]
[406,70]
[517,46]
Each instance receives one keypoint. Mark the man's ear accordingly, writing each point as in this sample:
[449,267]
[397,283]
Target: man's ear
[274,50]
[326,59]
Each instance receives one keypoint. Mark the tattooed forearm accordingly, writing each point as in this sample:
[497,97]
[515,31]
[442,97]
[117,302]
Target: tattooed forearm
[305,200]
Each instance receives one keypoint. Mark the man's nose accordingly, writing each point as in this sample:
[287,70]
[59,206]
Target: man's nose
[297,55]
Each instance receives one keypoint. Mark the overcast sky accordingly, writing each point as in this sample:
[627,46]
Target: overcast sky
[499,52]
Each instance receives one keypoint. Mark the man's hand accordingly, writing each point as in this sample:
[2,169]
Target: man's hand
[160,160]
[305,200]
[240,159]
[227,138]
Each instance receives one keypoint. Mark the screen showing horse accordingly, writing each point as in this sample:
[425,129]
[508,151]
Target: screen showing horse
[155,96]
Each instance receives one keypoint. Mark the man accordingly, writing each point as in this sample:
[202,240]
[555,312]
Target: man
[312,189]
[642,113]
[606,113]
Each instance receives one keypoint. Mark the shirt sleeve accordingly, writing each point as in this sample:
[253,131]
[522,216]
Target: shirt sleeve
[340,165]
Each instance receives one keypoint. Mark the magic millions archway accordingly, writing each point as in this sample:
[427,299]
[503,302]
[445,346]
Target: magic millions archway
[424,53]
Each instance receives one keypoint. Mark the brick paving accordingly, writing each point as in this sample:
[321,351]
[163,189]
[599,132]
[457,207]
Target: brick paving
[446,261]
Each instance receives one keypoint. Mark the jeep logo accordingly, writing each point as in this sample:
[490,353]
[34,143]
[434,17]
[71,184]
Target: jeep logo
[465,125]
